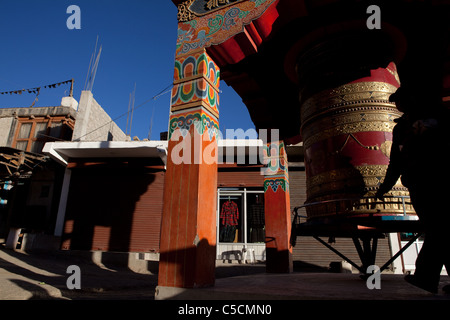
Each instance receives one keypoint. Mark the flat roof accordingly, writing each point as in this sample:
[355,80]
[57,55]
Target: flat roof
[63,151]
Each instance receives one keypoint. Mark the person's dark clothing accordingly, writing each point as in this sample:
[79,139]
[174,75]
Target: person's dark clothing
[419,157]
[416,149]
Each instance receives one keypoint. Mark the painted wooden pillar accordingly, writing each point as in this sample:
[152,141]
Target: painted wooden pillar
[277,209]
[188,231]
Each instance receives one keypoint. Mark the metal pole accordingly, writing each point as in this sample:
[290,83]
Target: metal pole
[339,254]
[400,251]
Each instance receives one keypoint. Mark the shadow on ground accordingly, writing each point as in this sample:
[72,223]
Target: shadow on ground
[44,276]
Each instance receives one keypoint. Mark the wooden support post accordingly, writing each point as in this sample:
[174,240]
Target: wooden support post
[277,209]
[188,231]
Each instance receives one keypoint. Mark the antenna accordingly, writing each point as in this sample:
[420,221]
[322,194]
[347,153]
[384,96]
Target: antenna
[90,65]
[92,71]
[130,107]
[128,115]
[151,124]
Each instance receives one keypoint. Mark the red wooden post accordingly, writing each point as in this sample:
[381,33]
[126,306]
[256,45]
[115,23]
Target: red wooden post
[277,209]
[188,231]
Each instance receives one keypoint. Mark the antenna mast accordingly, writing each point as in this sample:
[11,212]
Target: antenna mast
[128,115]
[151,124]
[92,71]
[130,111]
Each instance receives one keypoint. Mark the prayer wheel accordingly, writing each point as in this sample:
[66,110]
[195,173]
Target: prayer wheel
[347,136]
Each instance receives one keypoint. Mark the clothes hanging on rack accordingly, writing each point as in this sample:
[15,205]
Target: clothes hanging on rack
[256,223]
[256,216]
[230,219]
[229,213]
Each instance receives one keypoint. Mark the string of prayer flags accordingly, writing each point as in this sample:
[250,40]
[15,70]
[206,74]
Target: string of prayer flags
[36,90]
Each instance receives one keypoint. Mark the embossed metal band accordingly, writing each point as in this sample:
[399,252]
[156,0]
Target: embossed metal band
[361,182]
[350,121]
[364,178]
[364,206]
[348,95]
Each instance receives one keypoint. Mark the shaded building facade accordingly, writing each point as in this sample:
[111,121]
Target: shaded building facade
[30,180]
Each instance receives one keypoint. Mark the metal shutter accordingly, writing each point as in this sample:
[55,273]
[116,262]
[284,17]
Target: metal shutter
[240,177]
[114,209]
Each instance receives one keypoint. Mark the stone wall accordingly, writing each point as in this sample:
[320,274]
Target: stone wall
[93,123]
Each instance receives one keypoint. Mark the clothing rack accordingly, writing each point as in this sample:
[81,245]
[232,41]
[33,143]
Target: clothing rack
[229,198]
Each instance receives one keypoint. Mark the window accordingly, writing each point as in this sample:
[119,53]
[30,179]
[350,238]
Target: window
[23,135]
[32,134]
[241,216]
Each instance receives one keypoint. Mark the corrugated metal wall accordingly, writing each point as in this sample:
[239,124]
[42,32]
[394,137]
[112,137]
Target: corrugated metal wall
[114,209]
[240,177]
[310,252]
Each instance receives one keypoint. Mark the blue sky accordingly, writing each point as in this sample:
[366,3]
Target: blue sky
[138,39]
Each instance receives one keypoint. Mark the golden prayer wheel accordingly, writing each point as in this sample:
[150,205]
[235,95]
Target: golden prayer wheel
[347,136]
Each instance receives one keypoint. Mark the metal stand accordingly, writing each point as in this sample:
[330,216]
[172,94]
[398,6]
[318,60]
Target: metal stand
[368,254]
[364,231]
